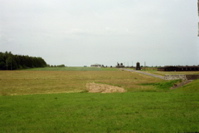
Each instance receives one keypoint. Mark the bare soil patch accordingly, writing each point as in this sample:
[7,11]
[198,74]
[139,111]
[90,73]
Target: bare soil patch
[103,88]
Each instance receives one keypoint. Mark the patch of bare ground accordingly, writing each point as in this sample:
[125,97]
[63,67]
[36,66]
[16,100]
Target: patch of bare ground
[103,88]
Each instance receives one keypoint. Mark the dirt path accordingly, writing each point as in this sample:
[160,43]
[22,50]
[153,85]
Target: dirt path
[145,73]
[103,88]
[184,82]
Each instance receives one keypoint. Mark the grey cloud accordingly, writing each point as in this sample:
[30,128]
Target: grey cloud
[77,32]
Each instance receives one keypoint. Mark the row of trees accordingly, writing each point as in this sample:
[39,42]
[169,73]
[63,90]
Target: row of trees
[8,61]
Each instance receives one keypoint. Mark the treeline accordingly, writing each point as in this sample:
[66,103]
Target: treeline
[8,61]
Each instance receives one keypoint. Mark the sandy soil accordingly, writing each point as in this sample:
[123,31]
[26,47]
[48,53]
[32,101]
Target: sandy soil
[103,88]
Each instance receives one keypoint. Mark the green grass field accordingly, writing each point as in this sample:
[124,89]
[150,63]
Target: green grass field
[147,106]
[85,112]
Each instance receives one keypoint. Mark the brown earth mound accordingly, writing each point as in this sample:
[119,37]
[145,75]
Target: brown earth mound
[103,88]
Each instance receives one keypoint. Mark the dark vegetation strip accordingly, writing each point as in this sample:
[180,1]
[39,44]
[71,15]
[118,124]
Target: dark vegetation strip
[8,61]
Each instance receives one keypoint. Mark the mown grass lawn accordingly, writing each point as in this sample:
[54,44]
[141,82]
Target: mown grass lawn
[86,112]
[147,106]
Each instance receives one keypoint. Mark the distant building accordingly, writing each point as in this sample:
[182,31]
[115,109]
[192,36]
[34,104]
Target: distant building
[96,65]
[179,68]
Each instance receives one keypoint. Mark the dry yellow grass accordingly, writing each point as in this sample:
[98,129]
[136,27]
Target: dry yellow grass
[41,82]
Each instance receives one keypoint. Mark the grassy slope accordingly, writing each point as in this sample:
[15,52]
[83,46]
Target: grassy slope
[192,87]
[84,112]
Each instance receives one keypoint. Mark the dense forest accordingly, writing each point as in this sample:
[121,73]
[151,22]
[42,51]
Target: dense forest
[8,61]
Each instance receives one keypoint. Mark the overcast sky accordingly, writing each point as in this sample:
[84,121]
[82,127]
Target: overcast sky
[85,32]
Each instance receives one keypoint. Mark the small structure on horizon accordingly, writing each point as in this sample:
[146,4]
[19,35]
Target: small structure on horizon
[96,65]
[138,67]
